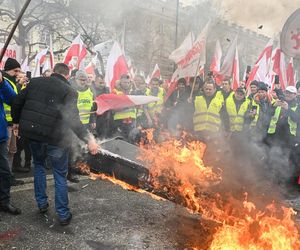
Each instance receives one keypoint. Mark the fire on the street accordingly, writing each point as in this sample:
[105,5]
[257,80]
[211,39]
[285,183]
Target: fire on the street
[177,168]
[177,172]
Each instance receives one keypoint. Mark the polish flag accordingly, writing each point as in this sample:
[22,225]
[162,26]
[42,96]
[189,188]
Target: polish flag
[235,71]
[116,66]
[215,65]
[107,102]
[279,67]
[226,70]
[90,68]
[77,50]
[290,73]
[39,60]
[260,71]
[155,73]
[180,52]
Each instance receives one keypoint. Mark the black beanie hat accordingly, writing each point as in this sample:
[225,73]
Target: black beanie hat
[262,86]
[11,64]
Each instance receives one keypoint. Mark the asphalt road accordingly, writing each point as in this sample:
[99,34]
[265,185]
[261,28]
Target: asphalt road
[105,216]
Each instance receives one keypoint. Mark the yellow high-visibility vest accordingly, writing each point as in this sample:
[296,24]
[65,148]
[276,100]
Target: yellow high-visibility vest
[7,108]
[156,107]
[125,113]
[236,118]
[275,118]
[84,105]
[208,117]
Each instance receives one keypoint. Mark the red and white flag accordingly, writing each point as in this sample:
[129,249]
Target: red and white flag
[215,65]
[90,68]
[235,71]
[227,65]
[116,66]
[39,60]
[261,69]
[180,52]
[155,72]
[279,67]
[107,102]
[290,73]
[195,57]
[77,50]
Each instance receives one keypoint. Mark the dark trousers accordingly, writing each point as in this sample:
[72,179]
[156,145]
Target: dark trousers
[5,174]
[22,144]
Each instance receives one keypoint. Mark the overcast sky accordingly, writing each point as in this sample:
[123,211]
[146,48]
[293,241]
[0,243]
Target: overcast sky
[272,14]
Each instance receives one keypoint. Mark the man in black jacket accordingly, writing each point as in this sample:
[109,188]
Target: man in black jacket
[45,112]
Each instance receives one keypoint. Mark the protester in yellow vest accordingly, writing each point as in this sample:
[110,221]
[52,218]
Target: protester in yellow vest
[155,90]
[208,106]
[284,122]
[236,108]
[124,120]
[11,70]
[85,101]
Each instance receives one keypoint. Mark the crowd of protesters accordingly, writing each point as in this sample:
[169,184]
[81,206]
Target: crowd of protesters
[47,108]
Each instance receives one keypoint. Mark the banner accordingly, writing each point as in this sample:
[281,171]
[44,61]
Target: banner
[13,51]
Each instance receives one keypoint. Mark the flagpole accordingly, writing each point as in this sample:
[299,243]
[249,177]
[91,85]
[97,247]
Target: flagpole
[194,82]
[13,29]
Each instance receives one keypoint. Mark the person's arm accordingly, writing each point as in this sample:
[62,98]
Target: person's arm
[7,92]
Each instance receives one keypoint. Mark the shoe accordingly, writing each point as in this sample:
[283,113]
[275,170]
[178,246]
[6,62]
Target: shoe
[66,221]
[72,178]
[21,170]
[16,182]
[43,209]
[9,208]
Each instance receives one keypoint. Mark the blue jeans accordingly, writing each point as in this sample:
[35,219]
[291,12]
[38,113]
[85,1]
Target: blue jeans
[59,161]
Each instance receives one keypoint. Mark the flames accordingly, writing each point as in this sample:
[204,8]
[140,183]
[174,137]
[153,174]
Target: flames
[177,171]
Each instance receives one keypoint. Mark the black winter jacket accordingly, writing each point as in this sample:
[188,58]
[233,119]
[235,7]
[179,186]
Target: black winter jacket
[46,110]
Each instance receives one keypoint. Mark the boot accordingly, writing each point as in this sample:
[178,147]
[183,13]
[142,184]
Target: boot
[27,165]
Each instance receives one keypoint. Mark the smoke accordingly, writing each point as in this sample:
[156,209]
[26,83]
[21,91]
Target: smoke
[272,14]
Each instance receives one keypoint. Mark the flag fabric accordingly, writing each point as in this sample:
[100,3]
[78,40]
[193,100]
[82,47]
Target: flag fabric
[279,67]
[90,68]
[195,57]
[116,66]
[261,69]
[235,71]
[228,62]
[290,73]
[39,60]
[179,53]
[107,102]
[155,72]
[76,50]
[215,65]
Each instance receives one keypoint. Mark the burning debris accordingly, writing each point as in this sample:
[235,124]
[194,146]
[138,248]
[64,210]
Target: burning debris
[176,172]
